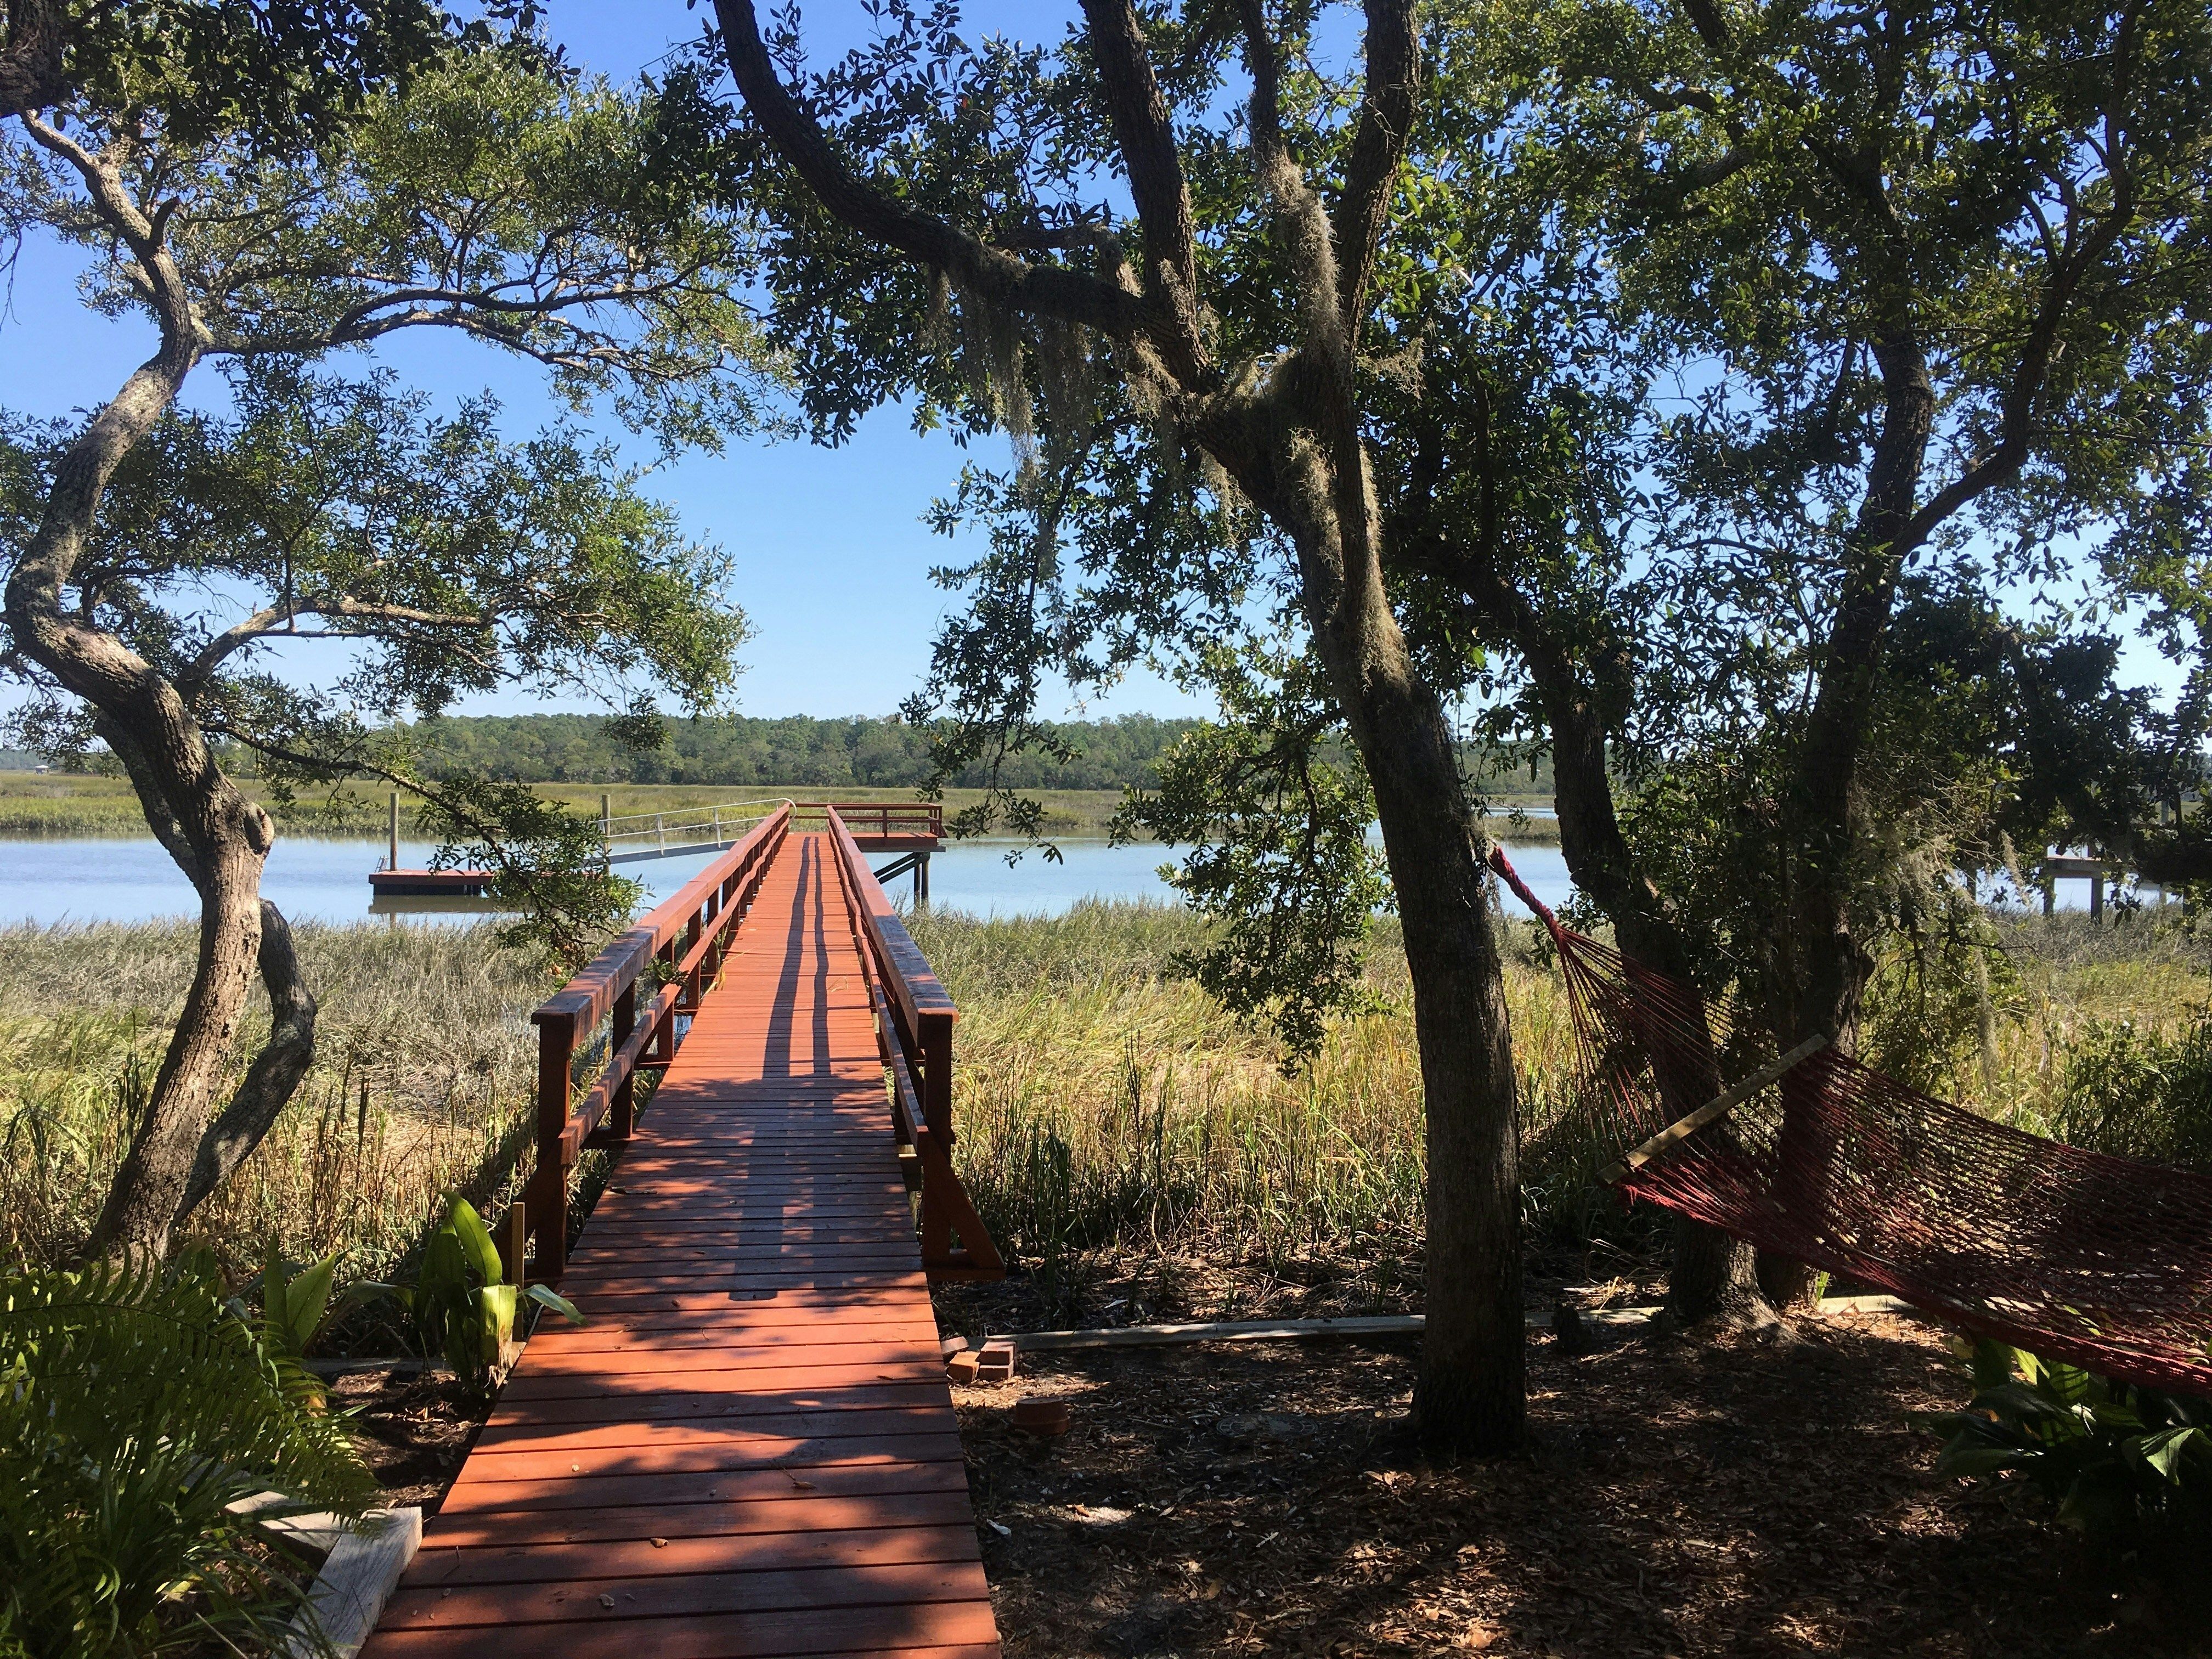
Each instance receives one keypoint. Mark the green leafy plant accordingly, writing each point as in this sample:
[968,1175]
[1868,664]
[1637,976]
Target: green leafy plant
[2135,1091]
[296,1308]
[2128,1467]
[463,1303]
[137,1412]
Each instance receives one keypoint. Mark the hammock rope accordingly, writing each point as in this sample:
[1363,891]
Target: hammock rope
[2101,1261]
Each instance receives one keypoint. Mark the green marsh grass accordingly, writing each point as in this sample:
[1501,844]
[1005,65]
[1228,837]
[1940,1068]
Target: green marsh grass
[1103,1103]
[1102,1099]
[59,803]
[425,1061]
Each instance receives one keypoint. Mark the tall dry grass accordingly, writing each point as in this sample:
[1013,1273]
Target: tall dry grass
[1102,1100]
[425,1063]
[1101,1097]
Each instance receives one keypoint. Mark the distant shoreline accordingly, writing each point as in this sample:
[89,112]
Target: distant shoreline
[69,806]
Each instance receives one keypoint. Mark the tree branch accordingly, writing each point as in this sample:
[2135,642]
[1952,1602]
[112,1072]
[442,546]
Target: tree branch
[1297,208]
[1145,133]
[1070,296]
[273,1077]
[272,620]
[1386,122]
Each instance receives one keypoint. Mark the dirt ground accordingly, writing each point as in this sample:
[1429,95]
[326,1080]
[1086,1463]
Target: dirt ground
[1751,1498]
[413,1431]
[1755,1496]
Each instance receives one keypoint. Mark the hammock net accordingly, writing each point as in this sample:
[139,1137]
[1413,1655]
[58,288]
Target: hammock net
[2105,1261]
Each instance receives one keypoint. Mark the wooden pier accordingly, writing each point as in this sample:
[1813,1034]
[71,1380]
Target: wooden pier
[750,1449]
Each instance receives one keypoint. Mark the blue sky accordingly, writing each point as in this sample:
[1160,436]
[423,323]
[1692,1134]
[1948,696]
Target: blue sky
[832,559]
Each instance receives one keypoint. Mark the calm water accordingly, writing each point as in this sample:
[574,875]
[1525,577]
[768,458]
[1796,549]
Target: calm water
[119,880]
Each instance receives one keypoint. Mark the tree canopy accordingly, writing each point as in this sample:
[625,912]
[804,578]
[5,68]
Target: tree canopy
[160,559]
[1703,398]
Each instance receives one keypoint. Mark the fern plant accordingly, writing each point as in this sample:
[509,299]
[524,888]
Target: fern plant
[136,1411]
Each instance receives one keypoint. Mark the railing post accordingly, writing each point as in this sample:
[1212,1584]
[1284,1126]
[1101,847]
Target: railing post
[622,1111]
[936,1036]
[548,1194]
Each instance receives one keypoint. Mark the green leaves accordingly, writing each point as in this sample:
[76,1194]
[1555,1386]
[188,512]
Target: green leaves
[463,1308]
[135,1411]
[1275,808]
[2129,1468]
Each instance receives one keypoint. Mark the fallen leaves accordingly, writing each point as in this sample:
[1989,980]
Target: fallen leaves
[1678,1499]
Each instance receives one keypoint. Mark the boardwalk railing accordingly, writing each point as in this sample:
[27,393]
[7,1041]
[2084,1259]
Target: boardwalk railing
[681,829]
[915,1019]
[673,954]
[874,819]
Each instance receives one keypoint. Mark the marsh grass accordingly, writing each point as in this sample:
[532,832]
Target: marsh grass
[1106,1108]
[2076,981]
[1103,1099]
[35,804]
[422,1085]
[58,804]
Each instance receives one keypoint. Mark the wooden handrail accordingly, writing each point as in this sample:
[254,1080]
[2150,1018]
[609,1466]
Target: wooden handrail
[879,818]
[915,1019]
[679,942]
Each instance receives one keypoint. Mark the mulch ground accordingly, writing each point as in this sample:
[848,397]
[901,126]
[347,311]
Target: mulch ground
[1748,1497]
[414,1431]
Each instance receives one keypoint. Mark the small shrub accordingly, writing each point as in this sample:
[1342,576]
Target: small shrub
[2139,1094]
[2128,1467]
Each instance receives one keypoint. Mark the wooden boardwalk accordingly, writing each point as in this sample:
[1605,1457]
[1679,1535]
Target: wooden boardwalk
[750,1449]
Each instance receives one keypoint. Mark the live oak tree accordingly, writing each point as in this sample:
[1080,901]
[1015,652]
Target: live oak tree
[273,68]
[486,192]
[1932,280]
[918,179]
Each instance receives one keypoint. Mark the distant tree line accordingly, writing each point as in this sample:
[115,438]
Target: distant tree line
[797,750]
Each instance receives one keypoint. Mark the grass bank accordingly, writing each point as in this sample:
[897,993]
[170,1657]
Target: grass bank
[1106,1105]
[1108,1108]
[58,803]
[422,1084]
[70,804]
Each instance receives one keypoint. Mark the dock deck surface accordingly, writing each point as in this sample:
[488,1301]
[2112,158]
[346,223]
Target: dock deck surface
[750,1449]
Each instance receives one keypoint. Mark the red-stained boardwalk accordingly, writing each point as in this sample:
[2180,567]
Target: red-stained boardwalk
[750,1449]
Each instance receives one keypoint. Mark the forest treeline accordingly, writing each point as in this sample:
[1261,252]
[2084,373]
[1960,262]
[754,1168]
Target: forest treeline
[795,749]
[807,752]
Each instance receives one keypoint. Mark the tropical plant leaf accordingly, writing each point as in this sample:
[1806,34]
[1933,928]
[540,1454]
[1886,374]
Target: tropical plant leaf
[546,1296]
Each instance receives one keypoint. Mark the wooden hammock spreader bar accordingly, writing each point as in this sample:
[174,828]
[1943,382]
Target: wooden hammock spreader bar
[1719,1106]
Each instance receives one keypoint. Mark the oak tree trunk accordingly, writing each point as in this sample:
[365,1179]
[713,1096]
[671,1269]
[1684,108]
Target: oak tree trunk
[1469,1393]
[1713,1272]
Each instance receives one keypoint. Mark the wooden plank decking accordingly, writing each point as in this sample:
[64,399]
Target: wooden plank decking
[751,1448]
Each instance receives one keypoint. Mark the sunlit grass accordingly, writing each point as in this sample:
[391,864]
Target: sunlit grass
[1103,1101]
[425,1062]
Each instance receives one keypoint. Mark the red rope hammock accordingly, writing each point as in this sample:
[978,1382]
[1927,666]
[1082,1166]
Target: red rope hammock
[2101,1261]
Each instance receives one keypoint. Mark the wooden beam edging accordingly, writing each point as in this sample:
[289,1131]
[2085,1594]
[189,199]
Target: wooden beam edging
[1370,1327]
[1719,1106]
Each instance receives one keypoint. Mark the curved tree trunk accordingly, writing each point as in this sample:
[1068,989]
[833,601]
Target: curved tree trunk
[218,837]
[145,1199]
